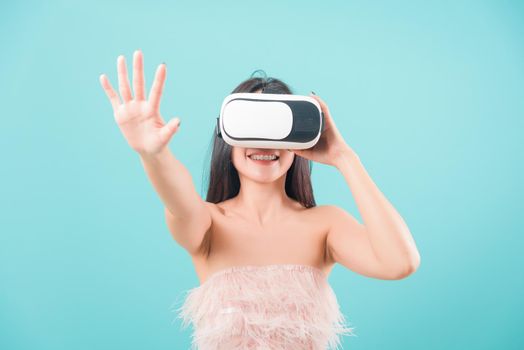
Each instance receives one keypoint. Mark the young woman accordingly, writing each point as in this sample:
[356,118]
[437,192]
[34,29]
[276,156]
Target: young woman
[261,247]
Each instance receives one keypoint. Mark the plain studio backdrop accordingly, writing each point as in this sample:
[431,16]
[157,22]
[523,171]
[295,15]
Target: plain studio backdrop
[430,94]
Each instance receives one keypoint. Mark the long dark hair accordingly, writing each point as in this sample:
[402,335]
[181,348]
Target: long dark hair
[224,182]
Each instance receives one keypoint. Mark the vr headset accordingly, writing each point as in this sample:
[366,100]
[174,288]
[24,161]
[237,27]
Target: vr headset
[276,121]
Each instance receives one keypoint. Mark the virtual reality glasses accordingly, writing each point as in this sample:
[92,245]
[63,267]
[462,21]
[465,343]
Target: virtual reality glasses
[276,121]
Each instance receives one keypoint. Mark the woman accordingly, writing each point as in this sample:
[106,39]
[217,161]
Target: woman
[260,245]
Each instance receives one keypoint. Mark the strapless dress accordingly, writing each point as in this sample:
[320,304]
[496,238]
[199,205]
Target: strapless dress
[280,306]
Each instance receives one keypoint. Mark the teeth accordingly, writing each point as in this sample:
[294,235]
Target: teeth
[263,157]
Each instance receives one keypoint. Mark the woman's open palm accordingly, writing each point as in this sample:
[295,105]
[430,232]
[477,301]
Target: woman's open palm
[139,119]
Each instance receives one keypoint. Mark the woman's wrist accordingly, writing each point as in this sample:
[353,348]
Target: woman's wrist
[347,157]
[155,157]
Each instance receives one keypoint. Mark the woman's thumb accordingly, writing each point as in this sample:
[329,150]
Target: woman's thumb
[167,131]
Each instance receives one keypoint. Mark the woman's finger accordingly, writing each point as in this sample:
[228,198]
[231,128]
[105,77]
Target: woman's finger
[169,129]
[323,104]
[110,92]
[158,86]
[138,75]
[325,109]
[123,79]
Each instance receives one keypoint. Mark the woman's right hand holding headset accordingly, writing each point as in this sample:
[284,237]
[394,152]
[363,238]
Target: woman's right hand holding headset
[139,119]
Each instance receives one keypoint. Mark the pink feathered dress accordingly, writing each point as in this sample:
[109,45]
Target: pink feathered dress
[280,306]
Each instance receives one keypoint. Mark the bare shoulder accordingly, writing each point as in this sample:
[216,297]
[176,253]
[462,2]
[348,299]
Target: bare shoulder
[211,205]
[340,220]
[334,212]
[326,211]
[219,208]
[333,216]
[319,214]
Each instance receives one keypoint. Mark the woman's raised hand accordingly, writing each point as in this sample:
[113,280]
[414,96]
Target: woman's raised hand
[139,119]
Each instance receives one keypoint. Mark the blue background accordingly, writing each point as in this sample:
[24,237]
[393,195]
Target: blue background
[429,94]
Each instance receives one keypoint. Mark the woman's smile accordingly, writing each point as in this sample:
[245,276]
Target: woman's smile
[263,160]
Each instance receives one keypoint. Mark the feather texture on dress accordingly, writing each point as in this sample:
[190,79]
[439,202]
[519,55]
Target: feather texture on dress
[280,306]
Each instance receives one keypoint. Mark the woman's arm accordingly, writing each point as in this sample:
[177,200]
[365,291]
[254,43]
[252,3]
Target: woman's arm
[391,251]
[187,215]
[383,246]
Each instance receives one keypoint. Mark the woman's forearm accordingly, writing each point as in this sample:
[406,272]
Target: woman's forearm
[173,183]
[388,233]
